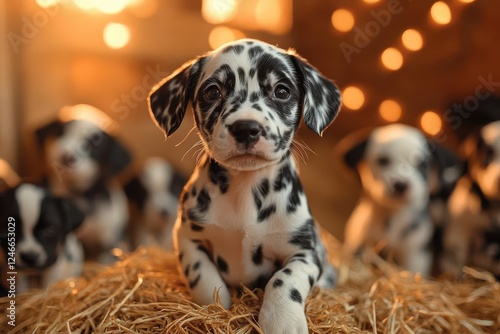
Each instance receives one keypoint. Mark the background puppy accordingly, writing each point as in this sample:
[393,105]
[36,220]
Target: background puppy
[473,235]
[244,217]
[155,192]
[398,171]
[83,159]
[41,225]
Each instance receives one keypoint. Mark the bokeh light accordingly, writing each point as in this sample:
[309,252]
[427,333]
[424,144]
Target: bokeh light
[221,35]
[218,11]
[353,98]
[116,35]
[431,123]
[46,3]
[110,6]
[143,8]
[390,110]
[371,1]
[343,20]
[84,4]
[441,13]
[412,40]
[392,59]
[466,1]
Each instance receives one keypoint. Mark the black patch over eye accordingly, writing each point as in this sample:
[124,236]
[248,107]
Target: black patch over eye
[281,92]
[383,161]
[212,93]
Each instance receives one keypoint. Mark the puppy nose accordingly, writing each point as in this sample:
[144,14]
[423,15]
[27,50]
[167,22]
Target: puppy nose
[246,131]
[400,187]
[29,258]
[68,159]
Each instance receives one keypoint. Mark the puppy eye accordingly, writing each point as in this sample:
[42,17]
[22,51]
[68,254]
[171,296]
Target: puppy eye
[383,161]
[281,92]
[212,93]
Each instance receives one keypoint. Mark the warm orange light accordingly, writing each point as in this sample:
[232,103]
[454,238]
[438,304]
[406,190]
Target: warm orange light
[46,3]
[390,110]
[218,11]
[466,1]
[353,98]
[84,4]
[412,40]
[222,35]
[116,35]
[392,59]
[271,15]
[8,175]
[343,20]
[441,13]
[143,8]
[431,123]
[110,6]
[371,1]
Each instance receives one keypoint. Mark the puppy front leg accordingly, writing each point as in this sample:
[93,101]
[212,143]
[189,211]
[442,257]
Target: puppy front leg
[285,295]
[200,273]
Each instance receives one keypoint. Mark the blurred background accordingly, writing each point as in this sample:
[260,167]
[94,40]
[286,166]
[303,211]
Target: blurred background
[430,64]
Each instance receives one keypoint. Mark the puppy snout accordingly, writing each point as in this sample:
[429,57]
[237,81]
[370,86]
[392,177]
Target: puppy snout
[68,159]
[246,131]
[400,187]
[29,258]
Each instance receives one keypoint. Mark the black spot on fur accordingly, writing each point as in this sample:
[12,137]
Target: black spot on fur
[181,256]
[296,296]
[256,107]
[257,256]
[260,282]
[194,192]
[252,72]
[219,176]
[254,51]
[287,271]
[222,264]
[196,227]
[266,213]
[311,281]
[254,97]
[278,282]
[203,200]
[194,283]
[197,265]
[234,48]
[241,76]
[305,236]
[186,271]
[205,250]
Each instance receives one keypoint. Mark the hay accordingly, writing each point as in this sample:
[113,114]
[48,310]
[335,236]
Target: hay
[144,294]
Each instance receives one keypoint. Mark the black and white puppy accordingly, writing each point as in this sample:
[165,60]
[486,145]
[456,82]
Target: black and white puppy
[155,191]
[398,171]
[244,217]
[473,235]
[83,158]
[37,229]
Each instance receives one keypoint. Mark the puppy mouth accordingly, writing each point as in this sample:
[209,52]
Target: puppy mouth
[248,161]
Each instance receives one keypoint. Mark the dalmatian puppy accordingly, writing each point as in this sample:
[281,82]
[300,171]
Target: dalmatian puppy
[38,228]
[244,217]
[84,158]
[155,192]
[398,169]
[473,235]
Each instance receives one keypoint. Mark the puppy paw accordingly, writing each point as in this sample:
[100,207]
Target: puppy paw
[279,319]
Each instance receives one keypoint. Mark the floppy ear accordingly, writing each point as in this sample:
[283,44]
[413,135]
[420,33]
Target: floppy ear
[72,216]
[168,100]
[117,157]
[355,154]
[54,128]
[448,166]
[321,98]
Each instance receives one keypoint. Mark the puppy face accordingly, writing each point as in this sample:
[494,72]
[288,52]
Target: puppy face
[394,165]
[248,98]
[41,224]
[79,152]
[484,160]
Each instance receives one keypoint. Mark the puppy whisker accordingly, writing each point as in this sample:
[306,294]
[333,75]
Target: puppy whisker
[198,143]
[185,137]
